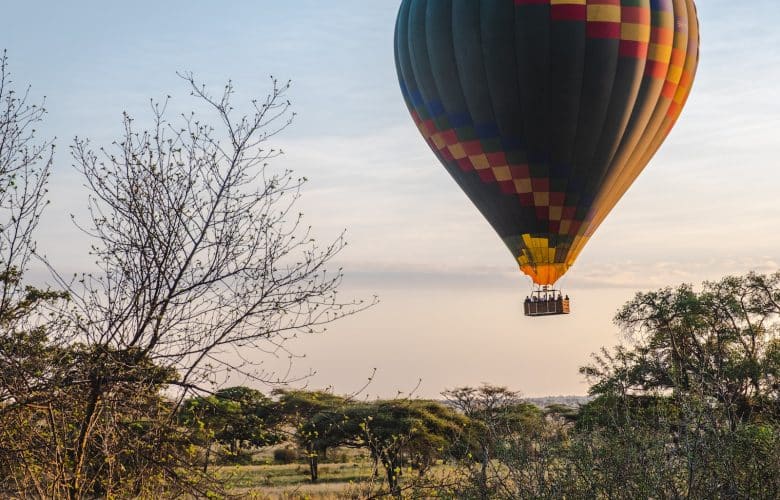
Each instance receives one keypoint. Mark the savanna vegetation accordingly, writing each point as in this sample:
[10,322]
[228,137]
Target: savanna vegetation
[107,380]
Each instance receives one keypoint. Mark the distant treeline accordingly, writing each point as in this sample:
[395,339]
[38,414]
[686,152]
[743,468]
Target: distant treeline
[572,401]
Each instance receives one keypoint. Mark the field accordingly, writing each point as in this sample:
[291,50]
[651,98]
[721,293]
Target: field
[351,479]
[292,481]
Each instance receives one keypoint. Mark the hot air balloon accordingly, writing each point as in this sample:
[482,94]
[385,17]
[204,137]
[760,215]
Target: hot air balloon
[545,111]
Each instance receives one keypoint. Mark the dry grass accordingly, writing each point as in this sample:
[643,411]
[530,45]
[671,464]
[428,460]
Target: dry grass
[292,481]
[287,482]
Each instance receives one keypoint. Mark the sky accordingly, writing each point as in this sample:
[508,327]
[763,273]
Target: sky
[450,311]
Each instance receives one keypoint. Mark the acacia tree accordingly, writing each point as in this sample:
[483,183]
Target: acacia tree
[397,432]
[315,417]
[497,415]
[236,417]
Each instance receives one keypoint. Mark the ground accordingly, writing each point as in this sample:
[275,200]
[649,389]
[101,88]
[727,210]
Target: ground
[353,477]
[292,481]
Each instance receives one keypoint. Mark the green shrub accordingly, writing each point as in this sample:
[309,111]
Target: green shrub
[285,455]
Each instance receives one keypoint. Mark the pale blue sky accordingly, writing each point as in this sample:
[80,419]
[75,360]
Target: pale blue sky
[450,314]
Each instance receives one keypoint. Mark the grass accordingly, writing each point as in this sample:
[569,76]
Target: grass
[348,474]
[249,476]
[287,482]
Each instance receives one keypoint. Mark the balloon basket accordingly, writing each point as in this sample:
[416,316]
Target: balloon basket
[546,301]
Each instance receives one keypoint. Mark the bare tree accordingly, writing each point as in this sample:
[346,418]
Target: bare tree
[204,261]
[493,411]
[203,265]
[26,350]
[25,166]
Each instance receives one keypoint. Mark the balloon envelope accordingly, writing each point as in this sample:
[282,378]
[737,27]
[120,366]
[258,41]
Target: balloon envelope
[545,111]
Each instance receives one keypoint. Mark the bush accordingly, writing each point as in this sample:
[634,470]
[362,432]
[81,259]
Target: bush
[285,455]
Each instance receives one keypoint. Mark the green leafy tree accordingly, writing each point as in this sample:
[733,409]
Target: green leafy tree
[695,388]
[720,343]
[236,417]
[312,415]
[398,432]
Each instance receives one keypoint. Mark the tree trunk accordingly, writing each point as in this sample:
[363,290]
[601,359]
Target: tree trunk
[483,474]
[208,456]
[84,436]
[392,478]
[313,466]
